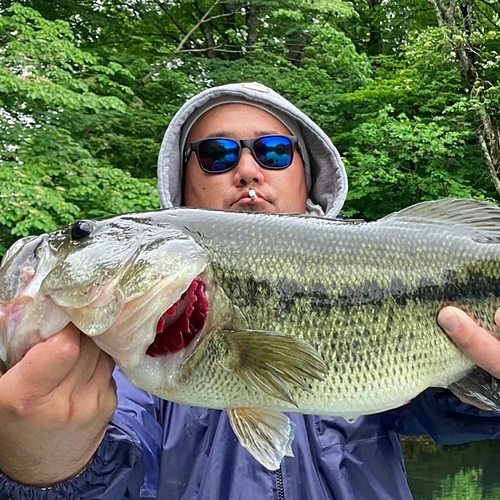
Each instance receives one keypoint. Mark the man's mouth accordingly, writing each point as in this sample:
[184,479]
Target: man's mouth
[182,322]
[250,196]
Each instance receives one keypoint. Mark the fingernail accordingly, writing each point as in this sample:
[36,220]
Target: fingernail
[449,321]
[497,317]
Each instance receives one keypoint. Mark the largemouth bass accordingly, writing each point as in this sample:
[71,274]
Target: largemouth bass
[261,314]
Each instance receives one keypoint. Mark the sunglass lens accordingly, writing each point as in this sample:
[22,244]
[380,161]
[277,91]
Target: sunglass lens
[218,155]
[274,151]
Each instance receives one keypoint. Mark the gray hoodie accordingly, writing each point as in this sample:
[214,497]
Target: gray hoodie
[166,451]
[325,172]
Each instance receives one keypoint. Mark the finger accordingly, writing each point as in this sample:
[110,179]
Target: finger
[479,345]
[83,369]
[104,386]
[46,365]
[103,373]
[100,393]
[497,317]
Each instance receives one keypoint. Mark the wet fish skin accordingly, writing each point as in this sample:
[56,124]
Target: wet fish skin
[351,307]
[96,282]
[365,296]
[374,326]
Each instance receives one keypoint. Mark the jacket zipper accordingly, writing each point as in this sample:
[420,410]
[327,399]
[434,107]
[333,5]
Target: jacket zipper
[279,484]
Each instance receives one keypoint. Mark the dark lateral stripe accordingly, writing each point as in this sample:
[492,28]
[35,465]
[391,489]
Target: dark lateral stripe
[452,288]
[252,292]
[290,291]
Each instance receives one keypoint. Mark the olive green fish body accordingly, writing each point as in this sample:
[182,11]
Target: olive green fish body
[365,296]
[258,314]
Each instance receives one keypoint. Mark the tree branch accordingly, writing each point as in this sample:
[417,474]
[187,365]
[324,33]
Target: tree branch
[217,49]
[199,24]
[488,133]
[495,5]
[204,26]
[165,33]
[496,26]
[439,17]
[178,25]
[446,14]
[179,48]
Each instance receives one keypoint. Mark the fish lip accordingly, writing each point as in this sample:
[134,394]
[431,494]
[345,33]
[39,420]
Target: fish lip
[22,266]
[134,330]
[94,292]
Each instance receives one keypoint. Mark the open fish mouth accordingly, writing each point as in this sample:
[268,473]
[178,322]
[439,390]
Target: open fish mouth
[182,322]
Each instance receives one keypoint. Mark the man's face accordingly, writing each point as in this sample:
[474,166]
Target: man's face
[279,191]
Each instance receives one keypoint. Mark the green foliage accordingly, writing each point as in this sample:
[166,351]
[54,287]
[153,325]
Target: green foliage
[465,485]
[87,90]
[47,187]
[47,177]
[395,161]
[40,65]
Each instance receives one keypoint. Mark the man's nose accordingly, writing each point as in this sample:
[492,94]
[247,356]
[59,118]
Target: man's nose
[248,170]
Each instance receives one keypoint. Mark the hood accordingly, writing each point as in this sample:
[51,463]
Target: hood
[328,178]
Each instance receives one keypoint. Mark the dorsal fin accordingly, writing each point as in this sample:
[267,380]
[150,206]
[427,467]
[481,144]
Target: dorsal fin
[480,218]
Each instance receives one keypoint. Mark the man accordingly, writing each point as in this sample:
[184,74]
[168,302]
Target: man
[55,405]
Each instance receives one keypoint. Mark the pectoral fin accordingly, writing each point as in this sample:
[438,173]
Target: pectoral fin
[270,362]
[266,434]
[479,387]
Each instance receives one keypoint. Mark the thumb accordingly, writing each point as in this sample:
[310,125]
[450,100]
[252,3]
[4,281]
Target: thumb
[47,364]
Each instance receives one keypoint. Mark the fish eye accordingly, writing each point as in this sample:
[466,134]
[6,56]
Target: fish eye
[81,229]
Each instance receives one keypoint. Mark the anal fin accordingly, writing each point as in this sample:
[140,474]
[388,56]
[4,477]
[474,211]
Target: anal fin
[266,434]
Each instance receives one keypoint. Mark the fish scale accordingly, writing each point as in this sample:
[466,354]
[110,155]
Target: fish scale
[399,350]
[305,314]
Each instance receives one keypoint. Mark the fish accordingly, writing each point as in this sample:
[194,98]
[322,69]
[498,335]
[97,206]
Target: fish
[264,314]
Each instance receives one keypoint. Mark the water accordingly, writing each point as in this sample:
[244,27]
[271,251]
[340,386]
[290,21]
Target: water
[464,472]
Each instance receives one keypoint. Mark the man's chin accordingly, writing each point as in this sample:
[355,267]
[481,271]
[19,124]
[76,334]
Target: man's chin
[252,207]
[255,208]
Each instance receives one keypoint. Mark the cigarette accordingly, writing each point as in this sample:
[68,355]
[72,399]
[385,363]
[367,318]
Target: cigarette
[252,194]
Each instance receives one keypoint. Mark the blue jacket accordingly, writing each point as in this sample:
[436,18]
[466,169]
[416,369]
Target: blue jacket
[197,456]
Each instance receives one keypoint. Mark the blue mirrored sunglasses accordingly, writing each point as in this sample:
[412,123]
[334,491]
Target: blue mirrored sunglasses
[220,154]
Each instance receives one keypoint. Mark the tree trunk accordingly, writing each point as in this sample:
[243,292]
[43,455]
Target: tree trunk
[448,14]
[489,139]
[206,29]
[297,42]
[375,36]
[252,23]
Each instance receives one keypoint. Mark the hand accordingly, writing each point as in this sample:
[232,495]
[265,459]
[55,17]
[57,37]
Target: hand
[478,345]
[55,405]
